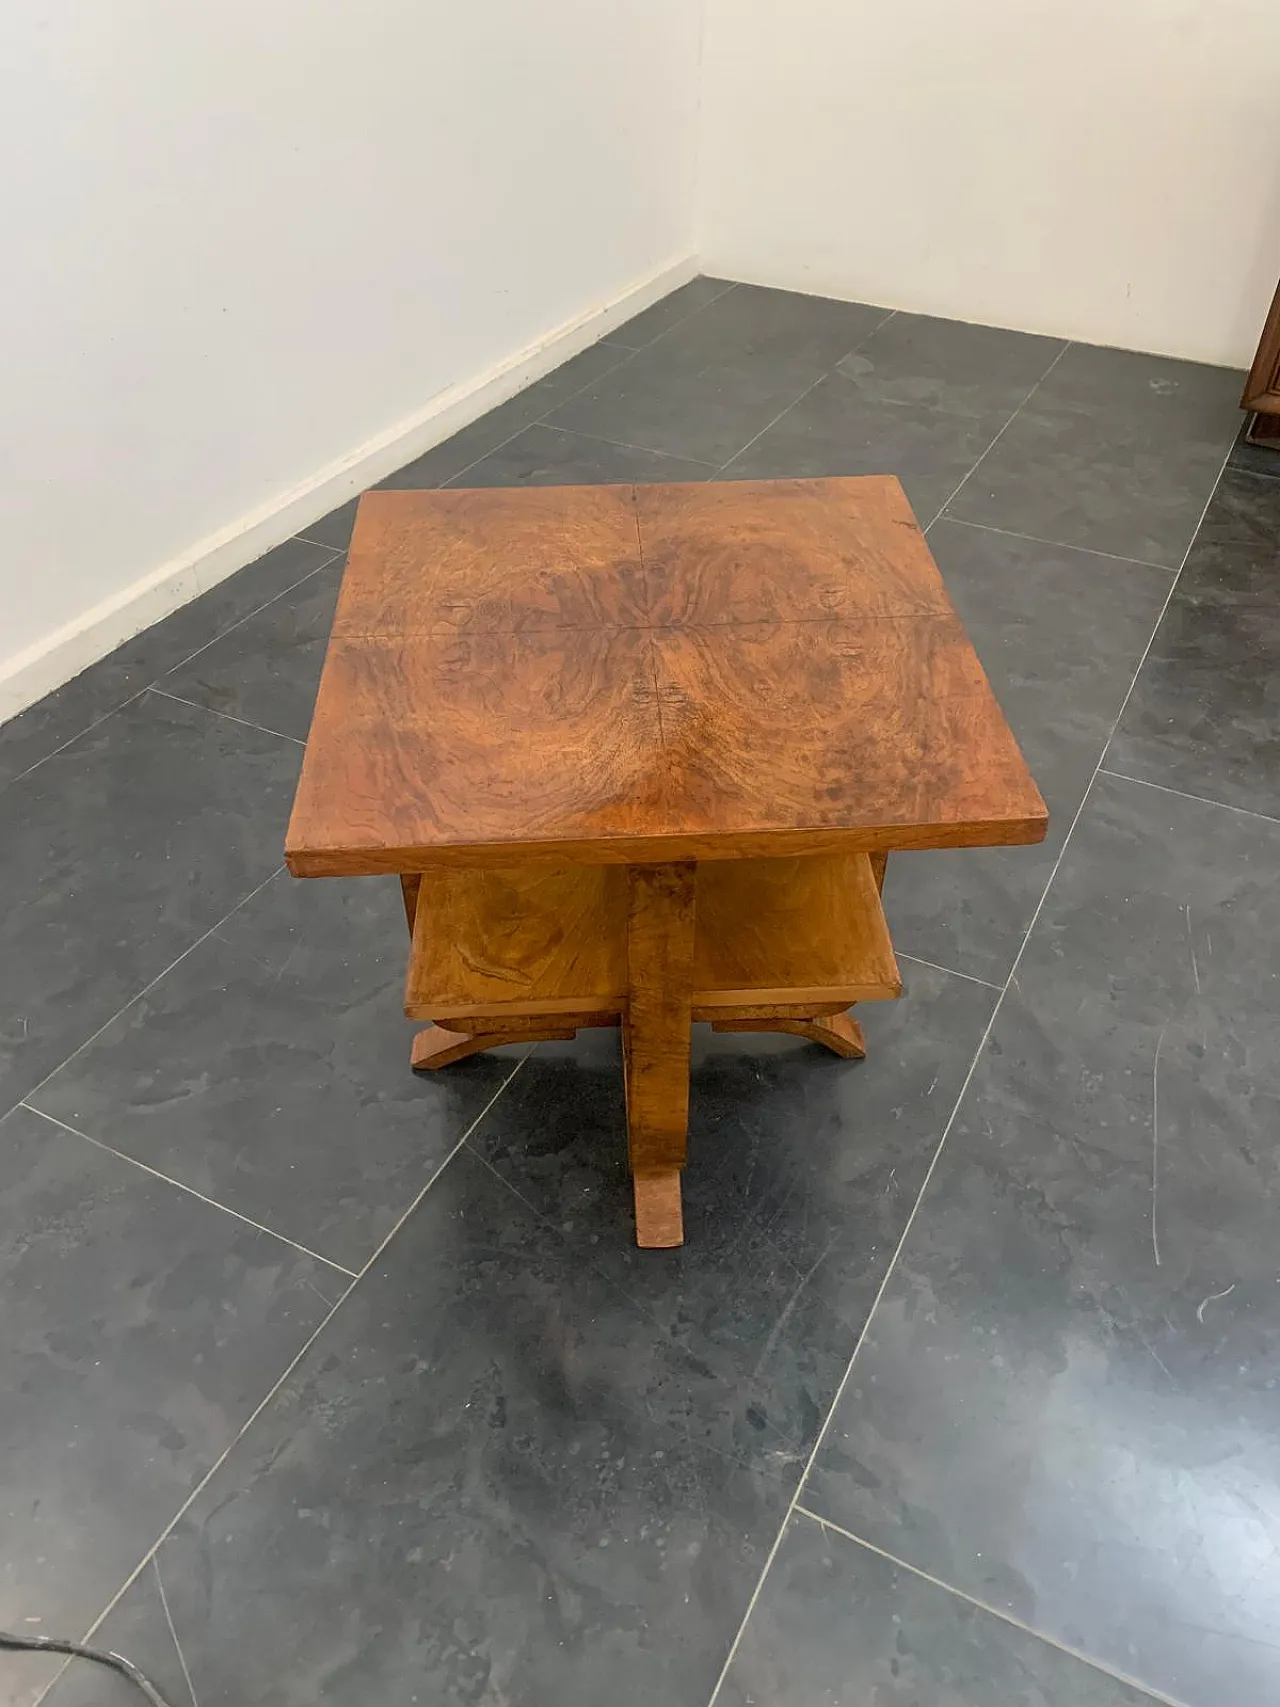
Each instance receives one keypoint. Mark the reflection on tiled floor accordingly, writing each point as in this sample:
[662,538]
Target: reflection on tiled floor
[322,1383]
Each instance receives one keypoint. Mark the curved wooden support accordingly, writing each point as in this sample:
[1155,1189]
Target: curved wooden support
[436,1046]
[840,1033]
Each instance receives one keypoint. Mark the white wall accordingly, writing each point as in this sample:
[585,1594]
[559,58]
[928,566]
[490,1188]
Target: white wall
[1101,169]
[244,240]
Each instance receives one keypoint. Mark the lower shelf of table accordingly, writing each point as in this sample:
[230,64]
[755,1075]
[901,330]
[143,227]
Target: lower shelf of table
[784,938]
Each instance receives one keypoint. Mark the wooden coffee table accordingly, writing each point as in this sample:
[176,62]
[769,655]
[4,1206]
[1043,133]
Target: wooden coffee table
[638,756]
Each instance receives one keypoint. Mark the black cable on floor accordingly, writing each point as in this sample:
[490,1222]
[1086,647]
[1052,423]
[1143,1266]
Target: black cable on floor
[117,1662]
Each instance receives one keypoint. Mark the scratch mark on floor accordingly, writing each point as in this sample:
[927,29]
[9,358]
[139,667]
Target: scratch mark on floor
[1195,968]
[168,1618]
[1155,1353]
[1155,1141]
[1210,1299]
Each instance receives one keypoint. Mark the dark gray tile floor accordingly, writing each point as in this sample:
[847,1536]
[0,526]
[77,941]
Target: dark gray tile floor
[321,1383]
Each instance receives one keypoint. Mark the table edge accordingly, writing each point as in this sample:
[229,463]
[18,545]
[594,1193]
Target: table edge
[356,861]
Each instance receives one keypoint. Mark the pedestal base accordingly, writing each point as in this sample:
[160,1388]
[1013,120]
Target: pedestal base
[528,955]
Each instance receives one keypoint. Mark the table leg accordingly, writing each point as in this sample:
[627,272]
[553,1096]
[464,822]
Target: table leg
[878,863]
[655,1034]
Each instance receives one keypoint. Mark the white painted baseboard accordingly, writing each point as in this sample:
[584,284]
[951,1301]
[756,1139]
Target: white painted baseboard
[95,632]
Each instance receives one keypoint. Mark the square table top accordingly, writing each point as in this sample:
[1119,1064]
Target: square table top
[634,673]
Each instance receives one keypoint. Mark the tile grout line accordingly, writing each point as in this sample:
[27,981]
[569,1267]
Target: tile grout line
[1203,799]
[1145,1689]
[334,554]
[163,693]
[222,632]
[664,1334]
[79,734]
[190,1190]
[796,401]
[544,420]
[151,984]
[950,971]
[1256,473]
[1055,544]
[1168,600]
[638,349]
[973,1065]
[621,444]
[306,539]
[996,440]
[152,1552]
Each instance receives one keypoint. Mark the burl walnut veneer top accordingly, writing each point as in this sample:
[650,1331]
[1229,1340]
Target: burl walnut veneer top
[636,673]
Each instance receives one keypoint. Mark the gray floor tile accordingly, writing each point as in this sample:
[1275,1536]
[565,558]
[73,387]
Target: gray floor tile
[334,529]
[141,1328]
[835,429]
[117,854]
[1060,634]
[752,325]
[718,378]
[1066,1402]
[1205,713]
[550,456]
[44,727]
[267,670]
[466,447]
[573,376]
[663,316]
[269,1070]
[1255,459]
[802,1171]
[477,1487]
[977,371]
[445,461]
[665,399]
[839,1626]
[1114,451]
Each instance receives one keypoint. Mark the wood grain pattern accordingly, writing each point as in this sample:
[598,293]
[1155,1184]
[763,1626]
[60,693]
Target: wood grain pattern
[785,551]
[797,934]
[883,724]
[621,675]
[495,561]
[790,931]
[655,1034]
[519,941]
